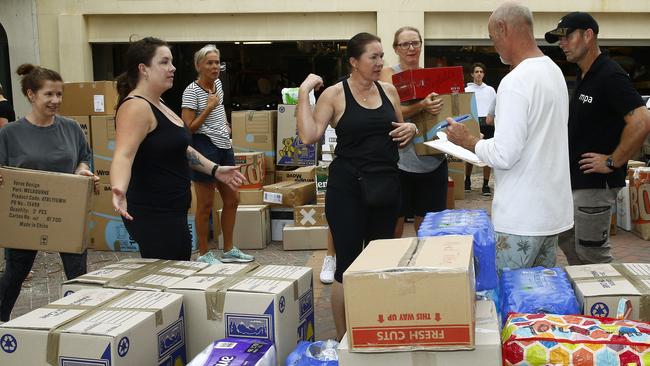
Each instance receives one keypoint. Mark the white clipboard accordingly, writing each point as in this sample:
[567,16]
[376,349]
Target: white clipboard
[450,148]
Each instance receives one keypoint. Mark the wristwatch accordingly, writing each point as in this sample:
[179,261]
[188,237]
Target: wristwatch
[610,162]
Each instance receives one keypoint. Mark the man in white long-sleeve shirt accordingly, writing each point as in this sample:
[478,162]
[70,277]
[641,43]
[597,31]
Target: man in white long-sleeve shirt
[529,152]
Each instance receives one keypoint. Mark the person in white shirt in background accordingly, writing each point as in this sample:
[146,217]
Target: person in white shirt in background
[485,102]
[529,152]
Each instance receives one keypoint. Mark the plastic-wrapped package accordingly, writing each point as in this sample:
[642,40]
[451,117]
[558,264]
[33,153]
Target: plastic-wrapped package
[236,352]
[321,353]
[537,290]
[290,96]
[468,222]
[550,339]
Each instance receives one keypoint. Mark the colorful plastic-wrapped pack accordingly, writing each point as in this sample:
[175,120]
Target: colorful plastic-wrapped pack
[237,352]
[537,290]
[549,339]
[468,222]
[320,353]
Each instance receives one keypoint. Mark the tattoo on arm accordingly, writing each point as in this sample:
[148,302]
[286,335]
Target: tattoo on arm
[193,158]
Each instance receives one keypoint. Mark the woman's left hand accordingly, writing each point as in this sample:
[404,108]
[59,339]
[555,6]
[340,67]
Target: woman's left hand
[88,173]
[231,176]
[403,133]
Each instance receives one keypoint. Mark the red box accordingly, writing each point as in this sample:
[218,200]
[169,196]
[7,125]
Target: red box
[417,84]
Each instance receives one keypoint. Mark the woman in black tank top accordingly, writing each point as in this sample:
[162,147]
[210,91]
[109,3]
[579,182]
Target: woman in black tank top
[363,191]
[152,159]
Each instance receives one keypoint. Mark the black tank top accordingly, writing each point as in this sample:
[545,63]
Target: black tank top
[160,176]
[362,134]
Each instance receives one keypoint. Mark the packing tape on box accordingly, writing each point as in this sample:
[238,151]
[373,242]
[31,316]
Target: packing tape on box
[244,269]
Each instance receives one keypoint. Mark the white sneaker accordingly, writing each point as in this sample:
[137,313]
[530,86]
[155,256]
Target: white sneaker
[327,272]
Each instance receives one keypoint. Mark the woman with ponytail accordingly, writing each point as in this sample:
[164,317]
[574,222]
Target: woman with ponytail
[41,140]
[151,165]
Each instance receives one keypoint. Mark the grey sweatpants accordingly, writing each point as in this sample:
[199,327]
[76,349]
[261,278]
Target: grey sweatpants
[588,241]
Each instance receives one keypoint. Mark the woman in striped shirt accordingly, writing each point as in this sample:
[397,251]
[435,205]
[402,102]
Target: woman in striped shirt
[203,112]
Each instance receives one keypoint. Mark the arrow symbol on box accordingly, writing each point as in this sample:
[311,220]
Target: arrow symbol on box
[380,318]
[437,317]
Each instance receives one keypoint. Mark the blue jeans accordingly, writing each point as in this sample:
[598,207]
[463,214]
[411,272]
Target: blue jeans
[18,264]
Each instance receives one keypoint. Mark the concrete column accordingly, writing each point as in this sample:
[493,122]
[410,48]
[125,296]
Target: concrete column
[388,22]
[75,55]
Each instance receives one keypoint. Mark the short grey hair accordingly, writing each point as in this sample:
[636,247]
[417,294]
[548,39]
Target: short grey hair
[200,55]
[514,13]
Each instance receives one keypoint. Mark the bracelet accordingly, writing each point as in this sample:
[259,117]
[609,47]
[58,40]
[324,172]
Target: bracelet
[214,170]
[417,130]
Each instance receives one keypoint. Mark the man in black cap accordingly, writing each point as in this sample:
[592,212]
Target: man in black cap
[608,123]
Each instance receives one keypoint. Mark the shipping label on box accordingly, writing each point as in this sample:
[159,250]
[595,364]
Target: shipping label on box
[419,83]
[99,327]
[290,193]
[42,210]
[251,165]
[89,98]
[302,174]
[274,303]
[255,131]
[304,237]
[600,287]
[454,105]
[309,215]
[252,227]
[394,301]
[291,150]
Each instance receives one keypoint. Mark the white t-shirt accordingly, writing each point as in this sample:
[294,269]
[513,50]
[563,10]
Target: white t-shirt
[215,125]
[485,98]
[529,152]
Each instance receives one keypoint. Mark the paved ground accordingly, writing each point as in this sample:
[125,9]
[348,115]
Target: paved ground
[48,275]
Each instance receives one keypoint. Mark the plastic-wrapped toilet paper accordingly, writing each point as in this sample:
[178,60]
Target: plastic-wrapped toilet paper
[236,352]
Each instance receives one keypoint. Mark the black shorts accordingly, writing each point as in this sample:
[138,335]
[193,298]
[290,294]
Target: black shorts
[424,192]
[205,147]
[486,130]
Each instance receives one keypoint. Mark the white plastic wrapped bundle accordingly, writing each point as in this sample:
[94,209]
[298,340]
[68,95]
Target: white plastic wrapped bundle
[236,352]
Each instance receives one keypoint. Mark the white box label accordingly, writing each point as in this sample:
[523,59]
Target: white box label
[272,197]
[98,103]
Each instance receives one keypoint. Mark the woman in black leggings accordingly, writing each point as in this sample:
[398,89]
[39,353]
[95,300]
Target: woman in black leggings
[363,191]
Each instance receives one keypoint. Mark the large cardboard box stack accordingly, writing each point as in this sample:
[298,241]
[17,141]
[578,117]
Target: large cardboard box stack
[301,174]
[102,130]
[487,351]
[290,193]
[255,131]
[252,227]
[395,295]
[274,303]
[89,98]
[44,210]
[99,327]
[600,287]
[252,167]
[291,151]
[640,201]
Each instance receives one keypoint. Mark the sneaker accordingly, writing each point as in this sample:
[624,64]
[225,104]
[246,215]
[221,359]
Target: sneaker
[236,255]
[468,186]
[208,258]
[327,272]
[486,191]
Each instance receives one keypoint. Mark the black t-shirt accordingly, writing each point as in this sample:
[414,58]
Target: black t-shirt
[596,119]
[6,111]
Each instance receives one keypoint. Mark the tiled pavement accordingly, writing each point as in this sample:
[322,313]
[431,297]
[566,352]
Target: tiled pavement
[48,274]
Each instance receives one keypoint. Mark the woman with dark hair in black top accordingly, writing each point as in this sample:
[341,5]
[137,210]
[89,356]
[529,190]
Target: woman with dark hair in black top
[363,190]
[152,159]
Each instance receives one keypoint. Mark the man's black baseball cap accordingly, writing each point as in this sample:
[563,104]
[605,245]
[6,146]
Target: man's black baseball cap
[571,22]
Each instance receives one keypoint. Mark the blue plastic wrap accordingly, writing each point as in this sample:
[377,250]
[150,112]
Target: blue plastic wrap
[468,222]
[321,353]
[537,290]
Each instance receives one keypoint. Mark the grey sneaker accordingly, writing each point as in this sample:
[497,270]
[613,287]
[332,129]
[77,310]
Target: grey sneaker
[208,258]
[236,255]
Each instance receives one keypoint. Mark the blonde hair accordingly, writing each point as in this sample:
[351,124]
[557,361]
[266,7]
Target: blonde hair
[403,29]
[200,55]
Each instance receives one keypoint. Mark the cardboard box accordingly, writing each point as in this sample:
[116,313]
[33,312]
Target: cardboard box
[291,150]
[252,167]
[487,350]
[394,298]
[455,105]
[251,197]
[255,131]
[304,237]
[252,227]
[599,287]
[302,174]
[456,171]
[103,136]
[280,217]
[419,83]
[290,193]
[640,201]
[99,327]
[320,198]
[84,123]
[89,98]
[274,303]
[42,210]
[309,215]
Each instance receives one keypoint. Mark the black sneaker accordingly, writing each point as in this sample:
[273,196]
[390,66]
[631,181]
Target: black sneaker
[468,186]
[486,191]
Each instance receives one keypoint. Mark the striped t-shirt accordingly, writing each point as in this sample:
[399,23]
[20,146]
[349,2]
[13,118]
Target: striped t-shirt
[215,125]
